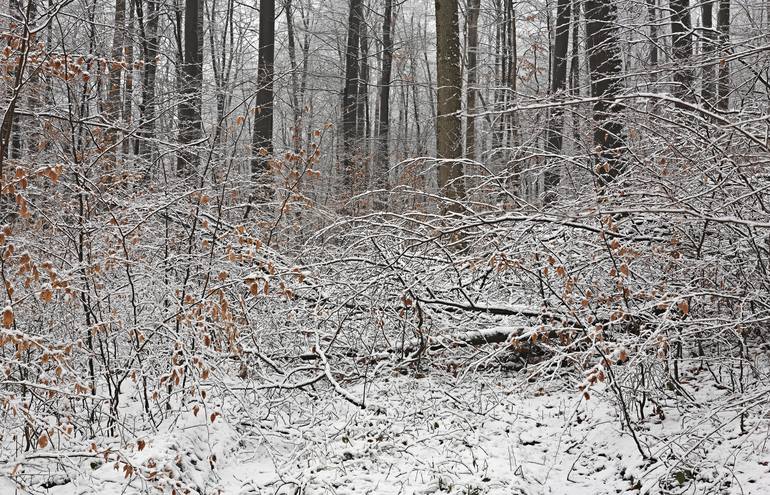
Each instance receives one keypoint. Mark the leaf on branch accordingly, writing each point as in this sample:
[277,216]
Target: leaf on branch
[624,270]
[8,317]
[46,295]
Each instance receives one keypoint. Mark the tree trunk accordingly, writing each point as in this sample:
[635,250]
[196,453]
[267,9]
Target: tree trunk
[350,97]
[362,113]
[574,69]
[149,42]
[723,26]
[296,131]
[262,139]
[381,176]
[448,122]
[558,84]
[190,121]
[472,23]
[652,18]
[605,67]
[708,79]
[128,92]
[681,31]
[9,116]
[513,74]
[113,101]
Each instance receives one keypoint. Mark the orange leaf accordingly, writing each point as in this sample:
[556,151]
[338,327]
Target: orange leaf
[8,317]
[46,295]
[42,442]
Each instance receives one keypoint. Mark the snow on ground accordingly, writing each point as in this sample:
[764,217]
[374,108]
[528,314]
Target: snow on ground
[484,434]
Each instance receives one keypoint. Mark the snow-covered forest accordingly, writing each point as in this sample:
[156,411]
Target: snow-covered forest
[384,246]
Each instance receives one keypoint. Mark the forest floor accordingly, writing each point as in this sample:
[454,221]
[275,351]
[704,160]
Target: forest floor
[477,434]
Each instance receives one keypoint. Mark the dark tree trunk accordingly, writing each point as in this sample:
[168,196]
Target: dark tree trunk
[513,71]
[681,31]
[149,42]
[128,93]
[605,67]
[472,23]
[113,101]
[652,18]
[262,139]
[558,84]
[362,113]
[190,121]
[708,80]
[449,146]
[383,125]
[296,131]
[350,140]
[574,68]
[723,26]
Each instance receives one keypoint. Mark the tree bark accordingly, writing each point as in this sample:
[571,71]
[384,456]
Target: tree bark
[381,176]
[190,120]
[652,18]
[149,44]
[9,116]
[681,31]
[128,92]
[708,79]
[350,97]
[605,67]
[558,84]
[296,131]
[472,23]
[262,139]
[723,26]
[448,106]
[362,112]
[112,103]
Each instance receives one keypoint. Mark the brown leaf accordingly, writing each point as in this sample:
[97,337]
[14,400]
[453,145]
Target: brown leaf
[46,295]
[624,270]
[8,317]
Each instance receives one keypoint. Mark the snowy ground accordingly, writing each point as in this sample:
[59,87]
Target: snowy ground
[483,434]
